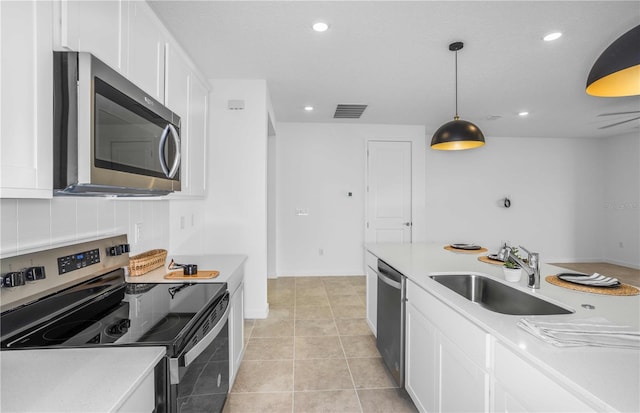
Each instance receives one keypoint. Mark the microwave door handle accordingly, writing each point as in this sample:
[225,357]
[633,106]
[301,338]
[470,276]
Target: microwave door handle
[169,129]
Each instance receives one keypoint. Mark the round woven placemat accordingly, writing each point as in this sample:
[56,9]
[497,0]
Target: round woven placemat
[450,248]
[488,260]
[623,289]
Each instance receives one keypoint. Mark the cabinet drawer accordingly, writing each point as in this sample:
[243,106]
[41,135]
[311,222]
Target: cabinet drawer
[468,337]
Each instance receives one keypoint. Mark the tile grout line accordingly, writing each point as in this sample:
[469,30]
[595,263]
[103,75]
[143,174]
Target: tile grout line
[345,357]
[293,361]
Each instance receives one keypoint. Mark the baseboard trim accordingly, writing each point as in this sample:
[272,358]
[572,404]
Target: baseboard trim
[256,313]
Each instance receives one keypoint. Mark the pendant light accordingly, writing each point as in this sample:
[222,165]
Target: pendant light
[617,70]
[457,134]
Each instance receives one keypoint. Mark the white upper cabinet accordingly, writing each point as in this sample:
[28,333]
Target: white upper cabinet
[198,127]
[126,35]
[98,27]
[187,95]
[26,81]
[145,57]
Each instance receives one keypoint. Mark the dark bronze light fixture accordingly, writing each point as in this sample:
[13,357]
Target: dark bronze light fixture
[617,70]
[457,134]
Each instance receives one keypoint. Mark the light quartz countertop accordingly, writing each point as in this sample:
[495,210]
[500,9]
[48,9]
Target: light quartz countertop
[228,266]
[73,380]
[607,378]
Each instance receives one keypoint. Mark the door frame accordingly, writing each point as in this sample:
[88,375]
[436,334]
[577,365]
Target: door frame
[367,234]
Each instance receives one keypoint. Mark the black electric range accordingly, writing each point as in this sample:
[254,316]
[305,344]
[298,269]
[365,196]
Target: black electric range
[76,296]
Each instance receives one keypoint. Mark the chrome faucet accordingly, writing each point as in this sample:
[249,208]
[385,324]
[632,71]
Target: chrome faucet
[531,267]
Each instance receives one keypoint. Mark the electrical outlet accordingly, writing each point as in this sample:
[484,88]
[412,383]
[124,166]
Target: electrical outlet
[137,232]
[321,251]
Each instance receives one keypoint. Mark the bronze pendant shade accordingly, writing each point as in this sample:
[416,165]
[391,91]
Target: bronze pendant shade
[617,70]
[457,134]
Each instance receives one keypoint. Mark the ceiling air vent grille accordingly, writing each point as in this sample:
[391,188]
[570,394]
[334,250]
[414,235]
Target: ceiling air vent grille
[349,111]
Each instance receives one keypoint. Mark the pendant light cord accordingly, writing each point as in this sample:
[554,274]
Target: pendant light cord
[456,117]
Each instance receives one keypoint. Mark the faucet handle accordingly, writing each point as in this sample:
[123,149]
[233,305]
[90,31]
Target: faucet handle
[524,249]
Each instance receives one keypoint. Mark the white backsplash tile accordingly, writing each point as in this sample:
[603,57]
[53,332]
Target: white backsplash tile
[107,218]
[87,217]
[63,222]
[32,224]
[9,227]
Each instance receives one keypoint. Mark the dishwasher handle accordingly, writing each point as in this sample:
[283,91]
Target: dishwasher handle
[389,275]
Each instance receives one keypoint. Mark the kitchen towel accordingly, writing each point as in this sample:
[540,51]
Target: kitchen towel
[596,331]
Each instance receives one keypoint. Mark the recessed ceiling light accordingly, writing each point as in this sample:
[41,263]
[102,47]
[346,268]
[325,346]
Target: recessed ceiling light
[320,26]
[552,36]
[523,113]
[308,108]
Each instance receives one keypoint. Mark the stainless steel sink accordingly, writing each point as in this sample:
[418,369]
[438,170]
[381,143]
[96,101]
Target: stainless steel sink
[496,296]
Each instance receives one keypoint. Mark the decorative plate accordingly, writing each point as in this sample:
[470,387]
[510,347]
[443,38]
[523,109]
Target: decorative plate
[593,280]
[466,246]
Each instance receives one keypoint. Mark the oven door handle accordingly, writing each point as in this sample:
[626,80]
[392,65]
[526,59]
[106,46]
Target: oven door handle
[175,364]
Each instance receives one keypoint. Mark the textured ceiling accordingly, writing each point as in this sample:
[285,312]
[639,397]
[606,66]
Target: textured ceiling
[393,56]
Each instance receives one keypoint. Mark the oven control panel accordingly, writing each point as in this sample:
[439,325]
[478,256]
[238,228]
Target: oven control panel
[77,261]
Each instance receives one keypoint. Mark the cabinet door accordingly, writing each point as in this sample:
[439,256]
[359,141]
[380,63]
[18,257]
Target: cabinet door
[460,375]
[523,387]
[26,67]
[96,27]
[146,50]
[197,143]
[187,95]
[236,332]
[372,299]
[422,366]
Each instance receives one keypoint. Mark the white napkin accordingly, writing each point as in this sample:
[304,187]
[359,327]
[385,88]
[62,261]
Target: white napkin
[596,331]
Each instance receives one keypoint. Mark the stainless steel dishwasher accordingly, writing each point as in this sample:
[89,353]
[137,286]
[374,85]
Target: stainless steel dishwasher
[390,328]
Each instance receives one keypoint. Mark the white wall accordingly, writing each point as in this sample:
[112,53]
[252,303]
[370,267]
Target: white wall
[621,205]
[235,209]
[572,199]
[555,188]
[317,165]
[30,224]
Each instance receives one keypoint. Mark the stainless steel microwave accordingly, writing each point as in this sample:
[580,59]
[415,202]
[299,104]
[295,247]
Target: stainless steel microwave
[110,137]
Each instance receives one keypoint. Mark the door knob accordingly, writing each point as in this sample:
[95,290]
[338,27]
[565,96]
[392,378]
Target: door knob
[407,224]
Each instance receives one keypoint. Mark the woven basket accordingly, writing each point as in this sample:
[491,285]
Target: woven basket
[147,261]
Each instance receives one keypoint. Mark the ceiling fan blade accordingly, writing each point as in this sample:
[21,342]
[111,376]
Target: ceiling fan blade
[619,123]
[619,113]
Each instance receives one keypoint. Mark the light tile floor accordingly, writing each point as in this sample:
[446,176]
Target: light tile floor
[314,353]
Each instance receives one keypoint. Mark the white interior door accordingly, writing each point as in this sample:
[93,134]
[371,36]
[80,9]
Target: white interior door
[388,191]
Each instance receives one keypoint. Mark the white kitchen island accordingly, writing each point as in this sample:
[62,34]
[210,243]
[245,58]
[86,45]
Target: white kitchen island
[511,369]
[79,380]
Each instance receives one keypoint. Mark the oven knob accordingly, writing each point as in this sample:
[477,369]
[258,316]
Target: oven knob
[35,273]
[125,248]
[13,279]
[120,327]
[113,251]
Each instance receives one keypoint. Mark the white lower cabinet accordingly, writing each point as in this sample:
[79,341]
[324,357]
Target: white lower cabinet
[521,387]
[445,355]
[421,360]
[371,266]
[236,331]
[455,366]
